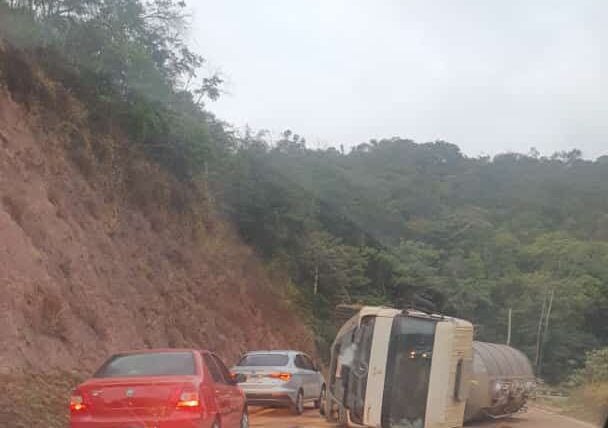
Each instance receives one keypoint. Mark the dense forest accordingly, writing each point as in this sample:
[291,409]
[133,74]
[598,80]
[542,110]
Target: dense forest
[386,222]
[406,224]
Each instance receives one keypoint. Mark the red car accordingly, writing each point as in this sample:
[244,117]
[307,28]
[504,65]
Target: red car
[167,388]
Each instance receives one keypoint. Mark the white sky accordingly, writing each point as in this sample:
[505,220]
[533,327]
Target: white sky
[488,75]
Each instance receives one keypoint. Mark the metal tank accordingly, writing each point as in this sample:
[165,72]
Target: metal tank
[502,382]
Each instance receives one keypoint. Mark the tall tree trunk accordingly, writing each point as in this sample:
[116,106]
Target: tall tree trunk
[546,330]
[316,285]
[539,333]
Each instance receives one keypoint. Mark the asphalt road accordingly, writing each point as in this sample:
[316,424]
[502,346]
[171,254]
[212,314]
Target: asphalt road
[534,418]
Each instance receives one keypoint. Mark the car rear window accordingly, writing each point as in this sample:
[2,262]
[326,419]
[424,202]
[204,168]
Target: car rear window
[264,360]
[149,364]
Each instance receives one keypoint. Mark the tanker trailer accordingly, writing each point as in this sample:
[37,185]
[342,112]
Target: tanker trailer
[394,368]
[502,382]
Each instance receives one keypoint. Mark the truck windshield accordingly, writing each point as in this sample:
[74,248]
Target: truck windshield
[408,369]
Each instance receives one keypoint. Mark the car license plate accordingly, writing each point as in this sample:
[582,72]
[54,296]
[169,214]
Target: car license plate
[255,378]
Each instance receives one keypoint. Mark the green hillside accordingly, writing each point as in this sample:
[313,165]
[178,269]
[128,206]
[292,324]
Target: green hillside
[386,222]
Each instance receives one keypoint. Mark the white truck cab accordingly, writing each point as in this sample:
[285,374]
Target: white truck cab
[400,369]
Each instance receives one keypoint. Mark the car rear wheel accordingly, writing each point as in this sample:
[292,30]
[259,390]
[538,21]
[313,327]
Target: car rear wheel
[245,419]
[320,402]
[298,405]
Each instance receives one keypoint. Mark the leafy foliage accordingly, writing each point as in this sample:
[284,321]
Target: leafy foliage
[595,370]
[399,223]
[128,61]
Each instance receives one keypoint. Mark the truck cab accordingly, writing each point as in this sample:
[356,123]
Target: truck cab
[389,365]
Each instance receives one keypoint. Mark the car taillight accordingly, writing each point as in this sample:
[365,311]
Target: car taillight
[189,399]
[77,403]
[282,376]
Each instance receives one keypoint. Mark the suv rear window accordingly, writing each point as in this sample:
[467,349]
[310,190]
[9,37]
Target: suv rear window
[260,360]
[148,364]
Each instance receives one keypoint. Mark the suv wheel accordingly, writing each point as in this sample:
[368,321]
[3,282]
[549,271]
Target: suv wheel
[298,406]
[320,402]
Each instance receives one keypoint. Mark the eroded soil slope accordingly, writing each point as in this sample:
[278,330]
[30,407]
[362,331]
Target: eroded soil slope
[85,271]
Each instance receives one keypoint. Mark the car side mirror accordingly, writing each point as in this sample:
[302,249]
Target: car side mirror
[239,378]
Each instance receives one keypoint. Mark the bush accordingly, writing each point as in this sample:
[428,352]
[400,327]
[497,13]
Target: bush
[594,372]
[35,400]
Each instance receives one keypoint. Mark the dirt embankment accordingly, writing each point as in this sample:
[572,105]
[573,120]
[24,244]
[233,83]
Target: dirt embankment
[98,255]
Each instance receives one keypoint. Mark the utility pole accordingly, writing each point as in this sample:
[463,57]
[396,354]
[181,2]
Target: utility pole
[509,327]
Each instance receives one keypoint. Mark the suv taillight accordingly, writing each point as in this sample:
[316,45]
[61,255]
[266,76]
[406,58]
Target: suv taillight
[282,376]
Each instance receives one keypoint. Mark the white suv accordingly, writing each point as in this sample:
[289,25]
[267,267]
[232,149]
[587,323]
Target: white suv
[280,378]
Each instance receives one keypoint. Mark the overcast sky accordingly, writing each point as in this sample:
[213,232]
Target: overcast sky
[488,75]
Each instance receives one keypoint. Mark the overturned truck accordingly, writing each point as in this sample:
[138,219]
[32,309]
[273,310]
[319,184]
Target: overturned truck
[410,369]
